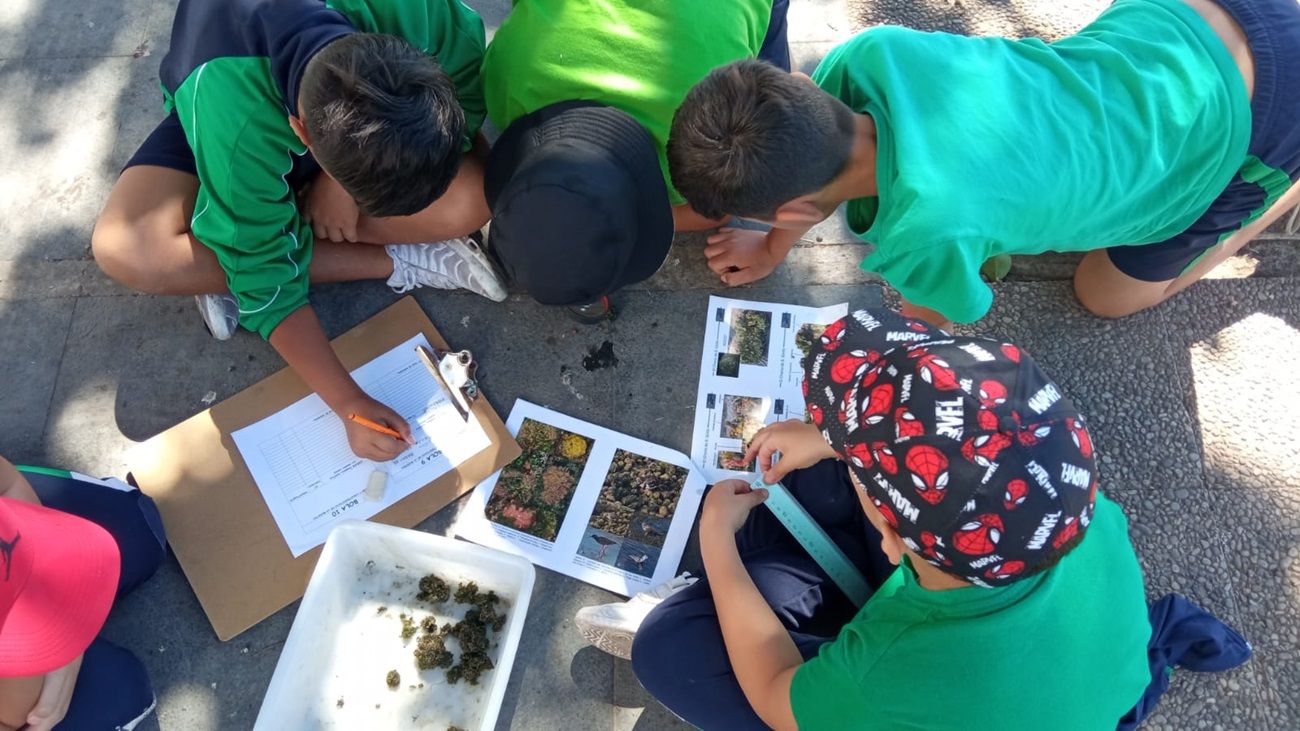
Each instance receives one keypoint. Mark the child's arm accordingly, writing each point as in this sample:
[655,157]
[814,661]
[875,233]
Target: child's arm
[302,343]
[18,696]
[741,256]
[762,654]
[14,485]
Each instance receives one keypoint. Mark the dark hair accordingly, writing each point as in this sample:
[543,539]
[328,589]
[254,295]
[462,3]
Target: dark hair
[750,137]
[384,122]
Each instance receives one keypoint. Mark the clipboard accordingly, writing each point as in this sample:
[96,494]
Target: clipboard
[217,522]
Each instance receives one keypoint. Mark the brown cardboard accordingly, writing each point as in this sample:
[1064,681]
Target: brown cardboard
[216,520]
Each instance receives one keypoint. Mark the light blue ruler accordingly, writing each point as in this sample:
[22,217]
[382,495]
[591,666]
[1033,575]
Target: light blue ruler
[815,541]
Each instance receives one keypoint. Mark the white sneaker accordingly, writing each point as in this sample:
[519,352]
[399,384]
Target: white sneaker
[220,313]
[450,264]
[611,627]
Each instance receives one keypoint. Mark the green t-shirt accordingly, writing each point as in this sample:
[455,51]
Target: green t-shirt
[1063,650]
[639,57]
[1121,134]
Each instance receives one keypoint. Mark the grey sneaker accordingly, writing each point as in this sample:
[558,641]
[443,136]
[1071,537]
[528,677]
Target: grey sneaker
[450,264]
[220,313]
[611,627]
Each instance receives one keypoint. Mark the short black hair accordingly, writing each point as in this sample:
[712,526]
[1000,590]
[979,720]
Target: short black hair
[750,137]
[384,121]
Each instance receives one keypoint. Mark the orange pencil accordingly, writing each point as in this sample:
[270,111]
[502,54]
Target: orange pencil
[363,421]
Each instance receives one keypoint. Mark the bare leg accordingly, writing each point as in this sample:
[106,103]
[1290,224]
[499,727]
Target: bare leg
[142,240]
[462,210]
[1107,292]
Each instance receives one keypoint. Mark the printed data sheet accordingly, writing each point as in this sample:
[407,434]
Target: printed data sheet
[751,375]
[302,464]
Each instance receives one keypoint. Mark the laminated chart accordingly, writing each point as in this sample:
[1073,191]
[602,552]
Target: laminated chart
[751,375]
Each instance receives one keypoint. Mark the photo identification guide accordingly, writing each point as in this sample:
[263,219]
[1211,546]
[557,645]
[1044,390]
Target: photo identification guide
[587,502]
[307,473]
[751,375]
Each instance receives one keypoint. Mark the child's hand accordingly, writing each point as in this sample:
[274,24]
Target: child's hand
[330,210]
[728,504]
[800,444]
[740,256]
[368,443]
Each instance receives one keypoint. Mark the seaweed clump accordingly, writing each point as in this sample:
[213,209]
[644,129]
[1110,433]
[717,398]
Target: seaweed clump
[393,679]
[433,589]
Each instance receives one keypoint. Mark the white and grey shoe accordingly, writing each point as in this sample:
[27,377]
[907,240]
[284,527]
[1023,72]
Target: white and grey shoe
[611,627]
[220,313]
[450,264]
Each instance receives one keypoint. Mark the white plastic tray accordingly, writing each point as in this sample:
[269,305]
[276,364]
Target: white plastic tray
[342,647]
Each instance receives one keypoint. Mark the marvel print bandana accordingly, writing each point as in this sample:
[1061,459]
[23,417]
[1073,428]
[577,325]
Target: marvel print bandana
[970,452]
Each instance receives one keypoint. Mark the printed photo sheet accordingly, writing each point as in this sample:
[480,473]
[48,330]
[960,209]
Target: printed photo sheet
[587,502]
[302,464]
[751,375]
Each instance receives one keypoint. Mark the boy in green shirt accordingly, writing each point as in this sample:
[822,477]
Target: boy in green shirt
[1017,601]
[1159,139]
[584,92]
[365,108]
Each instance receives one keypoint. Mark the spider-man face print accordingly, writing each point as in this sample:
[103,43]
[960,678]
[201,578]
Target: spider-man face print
[859,454]
[1015,494]
[980,536]
[1033,434]
[815,413]
[929,468]
[991,394]
[848,367]
[935,370]
[885,457]
[984,449]
[1080,435]
[1068,530]
[833,335]
[878,404]
[1004,570]
[886,512]
[952,442]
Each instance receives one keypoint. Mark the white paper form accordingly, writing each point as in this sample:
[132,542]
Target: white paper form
[302,464]
[751,375]
[587,502]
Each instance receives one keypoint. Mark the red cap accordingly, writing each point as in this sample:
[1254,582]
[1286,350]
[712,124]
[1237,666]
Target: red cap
[58,575]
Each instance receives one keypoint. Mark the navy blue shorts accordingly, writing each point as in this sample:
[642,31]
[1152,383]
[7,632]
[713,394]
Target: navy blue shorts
[1272,29]
[168,147]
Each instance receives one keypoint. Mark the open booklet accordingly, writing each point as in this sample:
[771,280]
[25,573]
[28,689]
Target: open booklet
[751,375]
[587,502]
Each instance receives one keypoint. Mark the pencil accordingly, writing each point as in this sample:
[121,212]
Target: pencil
[363,421]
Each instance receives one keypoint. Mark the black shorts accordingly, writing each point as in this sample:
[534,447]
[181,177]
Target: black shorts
[167,147]
[1272,29]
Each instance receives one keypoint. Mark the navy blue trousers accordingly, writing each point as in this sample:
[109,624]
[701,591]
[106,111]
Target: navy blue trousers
[679,655]
[113,687]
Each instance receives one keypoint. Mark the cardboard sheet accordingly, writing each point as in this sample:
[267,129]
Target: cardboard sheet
[217,522]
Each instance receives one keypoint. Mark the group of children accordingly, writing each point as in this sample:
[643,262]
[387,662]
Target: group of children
[309,141]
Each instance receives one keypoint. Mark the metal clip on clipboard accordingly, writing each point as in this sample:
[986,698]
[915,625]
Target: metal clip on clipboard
[455,371]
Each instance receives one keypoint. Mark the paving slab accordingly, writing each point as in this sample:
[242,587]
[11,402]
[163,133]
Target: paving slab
[52,29]
[56,175]
[33,332]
